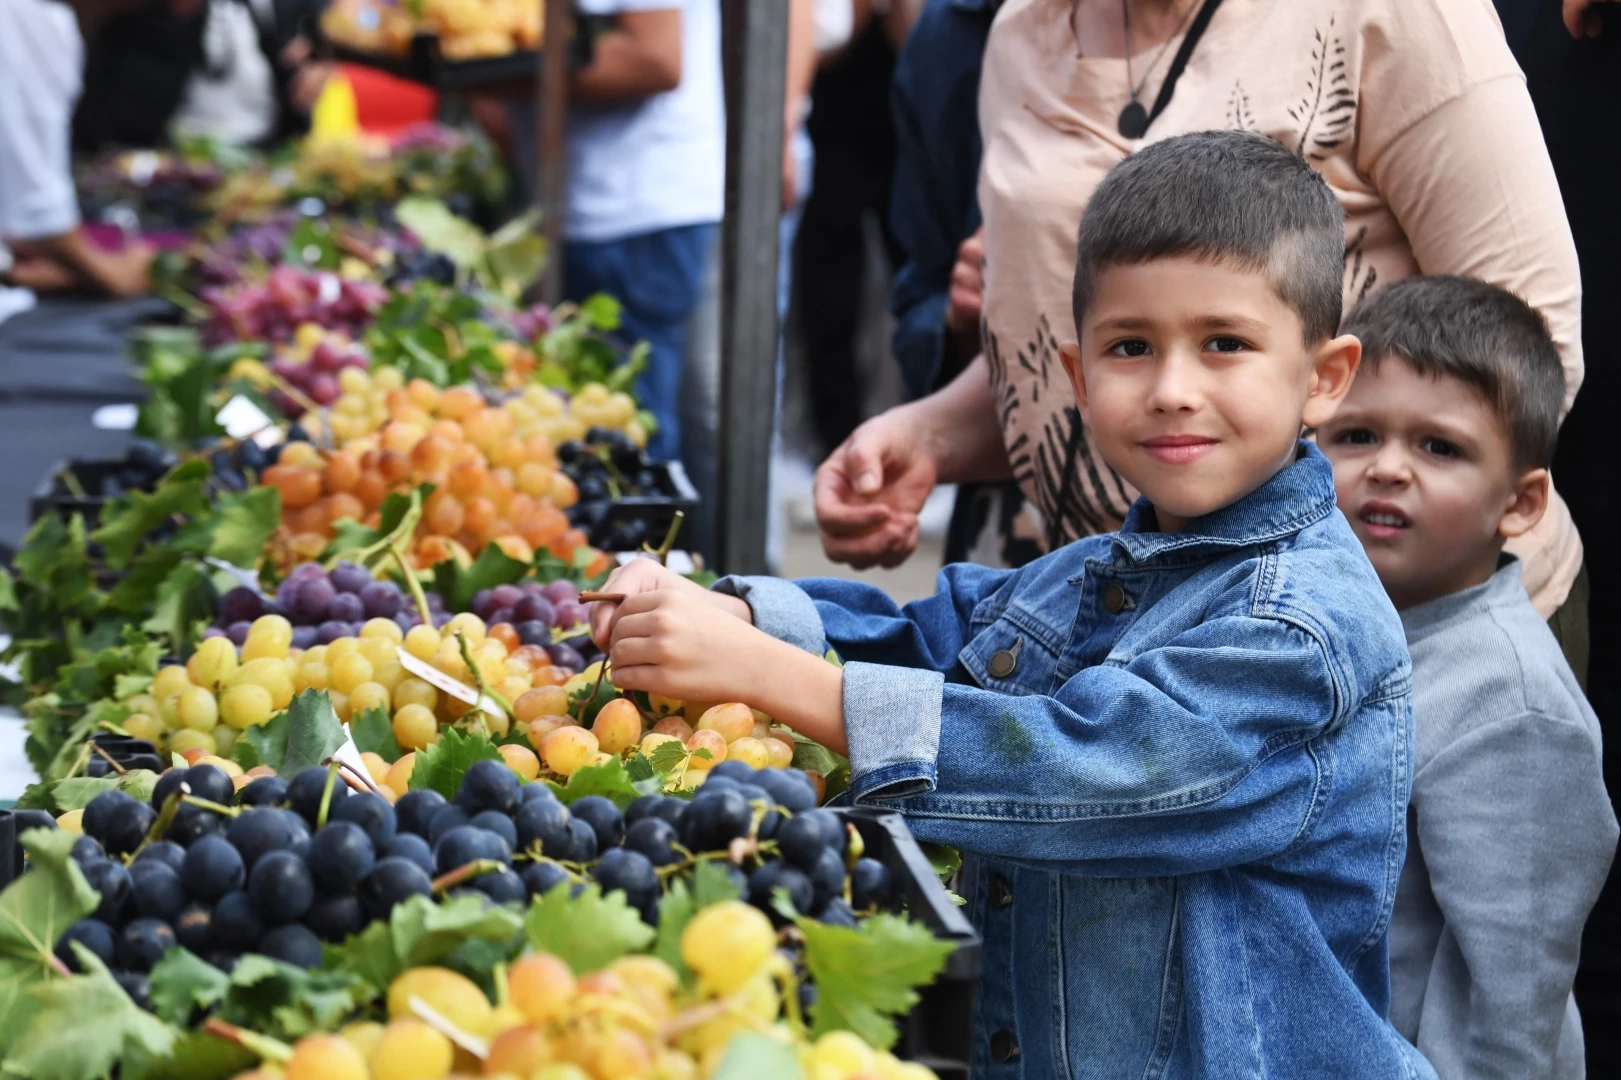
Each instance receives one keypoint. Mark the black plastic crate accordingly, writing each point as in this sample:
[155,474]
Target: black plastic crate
[655,510]
[53,494]
[939,1032]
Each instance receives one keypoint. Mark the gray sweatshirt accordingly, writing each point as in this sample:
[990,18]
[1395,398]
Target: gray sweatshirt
[1509,838]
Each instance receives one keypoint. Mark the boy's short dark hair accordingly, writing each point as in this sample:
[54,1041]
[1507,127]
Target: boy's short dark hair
[1229,197]
[1479,334]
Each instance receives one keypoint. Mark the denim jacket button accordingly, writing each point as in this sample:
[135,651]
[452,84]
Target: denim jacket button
[1001,895]
[1116,599]
[1003,661]
[1004,1047]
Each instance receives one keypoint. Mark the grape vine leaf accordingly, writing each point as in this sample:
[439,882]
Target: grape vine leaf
[420,931]
[588,931]
[314,732]
[247,519]
[668,756]
[185,601]
[610,779]
[710,884]
[458,584]
[196,1055]
[286,1002]
[262,744]
[182,982]
[373,731]
[812,756]
[75,792]
[129,518]
[34,910]
[751,1055]
[867,975]
[639,767]
[442,765]
[82,1026]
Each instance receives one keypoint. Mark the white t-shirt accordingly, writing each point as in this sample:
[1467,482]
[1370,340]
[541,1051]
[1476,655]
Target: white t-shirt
[233,97]
[659,163]
[41,66]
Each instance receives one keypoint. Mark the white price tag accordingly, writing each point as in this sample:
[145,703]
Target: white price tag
[119,417]
[349,754]
[241,418]
[246,578]
[436,678]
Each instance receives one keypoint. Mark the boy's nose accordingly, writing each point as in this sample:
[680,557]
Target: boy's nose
[1175,387]
[1389,465]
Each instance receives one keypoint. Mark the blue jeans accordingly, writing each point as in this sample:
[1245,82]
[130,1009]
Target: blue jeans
[656,278]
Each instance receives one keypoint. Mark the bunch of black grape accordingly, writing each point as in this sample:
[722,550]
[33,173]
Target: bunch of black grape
[266,880]
[604,461]
[527,842]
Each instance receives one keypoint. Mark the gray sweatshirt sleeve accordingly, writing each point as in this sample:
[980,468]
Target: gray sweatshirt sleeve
[1518,834]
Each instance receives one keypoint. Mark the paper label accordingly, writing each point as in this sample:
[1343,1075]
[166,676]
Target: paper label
[241,419]
[119,417]
[246,578]
[349,754]
[438,679]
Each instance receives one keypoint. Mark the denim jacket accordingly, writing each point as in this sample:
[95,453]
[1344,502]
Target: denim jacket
[1178,765]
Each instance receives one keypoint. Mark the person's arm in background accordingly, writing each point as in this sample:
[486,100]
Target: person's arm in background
[802,58]
[639,57]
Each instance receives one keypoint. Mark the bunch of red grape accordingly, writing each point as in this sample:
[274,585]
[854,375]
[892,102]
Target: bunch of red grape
[289,297]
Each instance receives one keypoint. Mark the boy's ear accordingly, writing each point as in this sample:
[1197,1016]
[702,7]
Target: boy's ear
[1526,504]
[1070,355]
[1332,369]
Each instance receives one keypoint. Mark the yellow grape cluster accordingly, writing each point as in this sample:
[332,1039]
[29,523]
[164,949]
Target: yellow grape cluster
[633,1019]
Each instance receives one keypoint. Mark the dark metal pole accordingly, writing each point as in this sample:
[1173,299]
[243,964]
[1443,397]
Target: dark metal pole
[551,111]
[756,50]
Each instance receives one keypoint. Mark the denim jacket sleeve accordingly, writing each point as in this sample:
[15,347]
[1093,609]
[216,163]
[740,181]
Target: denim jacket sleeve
[1158,764]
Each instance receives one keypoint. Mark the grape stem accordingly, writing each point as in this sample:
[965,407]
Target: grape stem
[355,778]
[171,806]
[466,872]
[210,804]
[478,682]
[326,795]
[109,759]
[662,552]
[412,584]
[263,1045]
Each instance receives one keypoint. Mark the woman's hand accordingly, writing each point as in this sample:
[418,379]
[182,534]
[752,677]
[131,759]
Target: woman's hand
[968,286]
[1583,19]
[870,490]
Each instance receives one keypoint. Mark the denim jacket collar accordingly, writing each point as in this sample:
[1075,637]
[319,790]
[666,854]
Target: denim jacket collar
[1299,495]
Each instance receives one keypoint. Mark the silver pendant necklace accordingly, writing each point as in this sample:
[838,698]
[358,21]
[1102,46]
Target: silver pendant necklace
[1134,118]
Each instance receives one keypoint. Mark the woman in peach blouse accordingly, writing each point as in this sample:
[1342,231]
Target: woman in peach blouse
[1413,110]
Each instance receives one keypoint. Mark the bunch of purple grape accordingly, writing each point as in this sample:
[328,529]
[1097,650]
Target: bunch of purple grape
[289,296]
[533,611]
[318,377]
[323,605]
[532,322]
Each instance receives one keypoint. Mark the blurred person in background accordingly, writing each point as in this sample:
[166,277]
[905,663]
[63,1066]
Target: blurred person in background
[41,68]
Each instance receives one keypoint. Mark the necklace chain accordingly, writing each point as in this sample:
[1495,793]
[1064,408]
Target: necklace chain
[1136,89]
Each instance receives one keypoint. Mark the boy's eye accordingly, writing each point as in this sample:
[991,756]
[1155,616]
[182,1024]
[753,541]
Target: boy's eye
[1225,344]
[1357,436]
[1130,347]
[1439,448]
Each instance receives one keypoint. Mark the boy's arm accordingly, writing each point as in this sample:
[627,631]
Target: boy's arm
[1518,834]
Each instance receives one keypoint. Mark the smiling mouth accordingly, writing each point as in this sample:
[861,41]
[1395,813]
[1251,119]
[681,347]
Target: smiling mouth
[1384,521]
[1178,449]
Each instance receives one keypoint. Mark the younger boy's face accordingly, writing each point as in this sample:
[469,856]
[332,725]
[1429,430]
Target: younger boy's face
[1425,472]
[1195,379]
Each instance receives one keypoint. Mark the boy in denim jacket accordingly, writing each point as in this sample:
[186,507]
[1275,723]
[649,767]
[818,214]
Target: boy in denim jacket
[1440,454]
[1177,756]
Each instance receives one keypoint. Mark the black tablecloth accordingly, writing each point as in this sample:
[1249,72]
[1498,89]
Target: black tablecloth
[72,350]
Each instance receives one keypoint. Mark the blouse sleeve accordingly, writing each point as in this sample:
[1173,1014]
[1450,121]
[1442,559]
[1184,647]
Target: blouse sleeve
[1472,187]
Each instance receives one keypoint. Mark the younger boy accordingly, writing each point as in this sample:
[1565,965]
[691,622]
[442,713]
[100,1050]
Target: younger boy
[1176,755]
[1440,454]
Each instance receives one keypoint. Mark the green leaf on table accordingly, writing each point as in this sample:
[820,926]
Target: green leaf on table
[639,767]
[373,732]
[516,255]
[866,976]
[83,1026]
[710,884]
[588,931]
[611,780]
[34,910]
[441,231]
[944,861]
[420,931]
[442,765]
[185,602]
[458,584]
[601,311]
[262,744]
[75,792]
[286,1002]
[751,1055]
[247,520]
[314,732]
[669,756]
[128,519]
[183,982]
[195,1055]
[137,590]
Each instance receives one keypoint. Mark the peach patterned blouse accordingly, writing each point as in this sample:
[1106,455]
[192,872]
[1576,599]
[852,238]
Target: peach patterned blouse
[1413,110]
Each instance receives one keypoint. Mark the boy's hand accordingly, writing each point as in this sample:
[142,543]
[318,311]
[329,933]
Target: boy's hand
[673,643]
[647,575]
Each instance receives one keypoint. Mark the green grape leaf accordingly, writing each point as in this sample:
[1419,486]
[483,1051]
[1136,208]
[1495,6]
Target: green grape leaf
[373,731]
[195,1055]
[129,518]
[262,744]
[76,792]
[183,982]
[458,584]
[868,975]
[314,732]
[751,1055]
[285,1002]
[588,931]
[944,861]
[137,591]
[247,520]
[669,756]
[601,311]
[34,910]
[420,931]
[442,765]
[638,767]
[81,1027]
[812,756]
[441,231]
[185,601]
[710,884]
[610,779]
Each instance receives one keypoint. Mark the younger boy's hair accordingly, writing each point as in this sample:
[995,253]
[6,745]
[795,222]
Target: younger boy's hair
[1483,336]
[1228,197]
